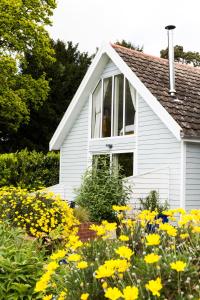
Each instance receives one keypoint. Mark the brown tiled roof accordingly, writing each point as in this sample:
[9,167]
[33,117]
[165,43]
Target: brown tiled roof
[154,74]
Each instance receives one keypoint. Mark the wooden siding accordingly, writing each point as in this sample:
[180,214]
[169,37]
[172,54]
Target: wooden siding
[192,180]
[73,154]
[158,148]
[110,69]
[142,184]
[125,143]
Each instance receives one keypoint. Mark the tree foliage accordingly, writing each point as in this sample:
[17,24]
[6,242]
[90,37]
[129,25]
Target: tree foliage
[22,31]
[129,45]
[64,76]
[184,57]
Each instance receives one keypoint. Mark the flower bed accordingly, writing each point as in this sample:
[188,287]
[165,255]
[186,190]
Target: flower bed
[41,214]
[135,265]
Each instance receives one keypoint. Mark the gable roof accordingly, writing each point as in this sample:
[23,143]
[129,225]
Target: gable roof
[154,73]
[149,76]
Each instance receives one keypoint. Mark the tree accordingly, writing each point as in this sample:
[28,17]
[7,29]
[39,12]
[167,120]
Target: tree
[64,76]
[183,57]
[129,45]
[22,31]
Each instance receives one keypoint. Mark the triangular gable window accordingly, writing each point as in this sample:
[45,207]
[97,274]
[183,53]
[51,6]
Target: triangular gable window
[113,107]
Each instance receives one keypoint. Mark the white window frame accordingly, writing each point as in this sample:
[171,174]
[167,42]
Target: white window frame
[112,108]
[113,152]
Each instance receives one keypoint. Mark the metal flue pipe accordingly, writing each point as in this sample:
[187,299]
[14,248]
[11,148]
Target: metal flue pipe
[170,29]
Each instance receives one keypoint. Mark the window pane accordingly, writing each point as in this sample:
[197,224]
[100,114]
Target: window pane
[101,160]
[107,107]
[118,105]
[96,112]
[125,161]
[129,109]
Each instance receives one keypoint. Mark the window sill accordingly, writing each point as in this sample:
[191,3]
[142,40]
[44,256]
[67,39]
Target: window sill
[113,137]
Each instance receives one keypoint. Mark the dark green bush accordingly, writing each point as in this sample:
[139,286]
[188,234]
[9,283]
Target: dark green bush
[153,203]
[30,170]
[21,263]
[102,188]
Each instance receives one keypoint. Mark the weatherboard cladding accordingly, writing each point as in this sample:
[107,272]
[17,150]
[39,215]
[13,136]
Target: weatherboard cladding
[192,179]
[73,154]
[157,148]
[154,74]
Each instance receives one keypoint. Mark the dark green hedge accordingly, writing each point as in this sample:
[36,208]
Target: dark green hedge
[30,170]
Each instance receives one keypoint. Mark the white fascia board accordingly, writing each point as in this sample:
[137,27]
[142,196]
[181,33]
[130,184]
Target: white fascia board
[93,72]
[144,92]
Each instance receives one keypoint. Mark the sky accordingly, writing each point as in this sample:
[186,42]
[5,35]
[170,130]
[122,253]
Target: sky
[90,23]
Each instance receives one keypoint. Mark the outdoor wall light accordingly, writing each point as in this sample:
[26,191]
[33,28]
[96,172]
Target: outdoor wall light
[109,146]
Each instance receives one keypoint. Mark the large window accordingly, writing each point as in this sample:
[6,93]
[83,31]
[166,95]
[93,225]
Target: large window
[123,162]
[113,107]
[107,107]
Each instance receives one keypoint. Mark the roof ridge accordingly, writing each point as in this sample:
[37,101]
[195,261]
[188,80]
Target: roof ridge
[162,60]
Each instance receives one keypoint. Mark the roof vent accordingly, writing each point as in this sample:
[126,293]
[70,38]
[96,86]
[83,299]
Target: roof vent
[170,29]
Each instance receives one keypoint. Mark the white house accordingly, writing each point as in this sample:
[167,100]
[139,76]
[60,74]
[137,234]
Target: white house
[123,109]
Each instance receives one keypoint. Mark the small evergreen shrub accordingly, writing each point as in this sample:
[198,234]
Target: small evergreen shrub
[30,170]
[21,262]
[102,188]
[153,203]
[41,214]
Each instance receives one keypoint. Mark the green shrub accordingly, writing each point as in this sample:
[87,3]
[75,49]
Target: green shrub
[40,213]
[21,262]
[102,188]
[153,203]
[81,214]
[29,170]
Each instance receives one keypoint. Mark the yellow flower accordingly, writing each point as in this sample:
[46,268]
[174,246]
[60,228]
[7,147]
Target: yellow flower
[84,296]
[104,285]
[151,258]
[58,254]
[109,226]
[123,238]
[42,284]
[147,216]
[180,211]
[74,257]
[62,295]
[100,230]
[154,286]
[184,236]
[73,242]
[121,207]
[124,252]
[106,270]
[47,297]
[153,239]
[178,265]
[196,229]
[52,266]
[130,293]
[129,222]
[109,268]
[169,229]
[82,265]
[113,293]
